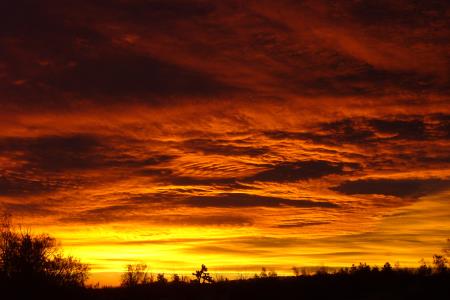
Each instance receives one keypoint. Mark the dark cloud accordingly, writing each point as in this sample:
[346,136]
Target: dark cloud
[236,200]
[332,133]
[66,52]
[300,224]
[126,74]
[294,171]
[206,220]
[17,187]
[230,250]
[160,11]
[223,148]
[148,242]
[346,131]
[401,129]
[73,152]
[283,172]
[102,215]
[138,213]
[394,187]
[154,172]
[54,153]
[363,80]
[443,125]
[27,209]
[72,59]
[372,132]
[184,180]
[395,13]
[287,135]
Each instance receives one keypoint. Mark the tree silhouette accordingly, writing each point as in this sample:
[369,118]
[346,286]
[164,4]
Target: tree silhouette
[134,275]
[387,268]
[176,278]
[202,275]
[161,279]
[424,269]
[36,259]
[440,263]
[263,273]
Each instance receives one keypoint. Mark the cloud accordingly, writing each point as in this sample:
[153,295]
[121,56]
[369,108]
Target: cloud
[17,187]
[401,129]
[236,200]
[138,213]
[300,224]
[73,152]
[294,171]
[224,250]
[443,125]
[102,215]
[372,131]
[28,209]
[184,180]
[394,187]
[223,148]
[126,74]
[281,173]
[206,220]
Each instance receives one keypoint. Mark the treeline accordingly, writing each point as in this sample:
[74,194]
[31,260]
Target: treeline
[357,282]
[138,275]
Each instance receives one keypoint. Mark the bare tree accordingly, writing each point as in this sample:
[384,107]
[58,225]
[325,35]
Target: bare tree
[134,275]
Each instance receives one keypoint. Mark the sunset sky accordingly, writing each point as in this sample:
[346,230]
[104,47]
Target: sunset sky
[238,134]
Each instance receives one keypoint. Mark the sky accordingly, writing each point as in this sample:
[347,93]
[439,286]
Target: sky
[236,134]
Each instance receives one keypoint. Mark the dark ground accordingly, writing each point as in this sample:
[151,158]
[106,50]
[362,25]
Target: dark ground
[395,285]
